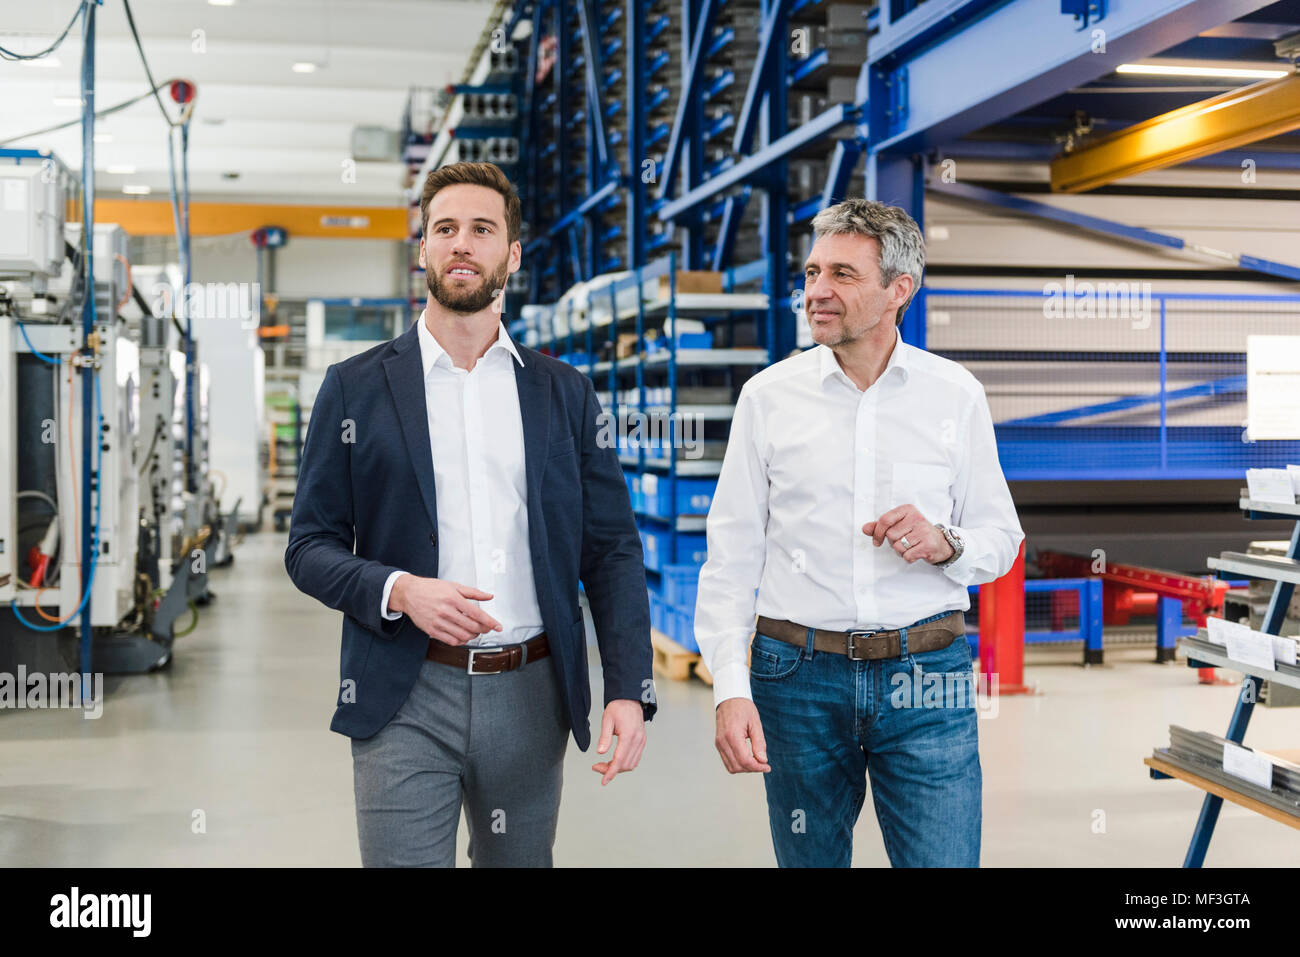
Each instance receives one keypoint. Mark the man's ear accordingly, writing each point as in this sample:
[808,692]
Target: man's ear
[516,256]
[903,287]
[424,264]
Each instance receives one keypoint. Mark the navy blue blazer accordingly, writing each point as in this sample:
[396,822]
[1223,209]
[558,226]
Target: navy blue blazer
[366,481]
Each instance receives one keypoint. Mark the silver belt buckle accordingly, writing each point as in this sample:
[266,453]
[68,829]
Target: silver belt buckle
[481,650]
[852,644]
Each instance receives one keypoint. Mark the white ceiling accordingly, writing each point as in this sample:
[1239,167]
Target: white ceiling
[287,134]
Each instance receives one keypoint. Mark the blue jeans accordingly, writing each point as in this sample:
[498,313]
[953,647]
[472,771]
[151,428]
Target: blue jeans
[908,721]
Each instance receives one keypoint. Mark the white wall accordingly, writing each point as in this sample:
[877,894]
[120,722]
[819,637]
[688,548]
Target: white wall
[307,267]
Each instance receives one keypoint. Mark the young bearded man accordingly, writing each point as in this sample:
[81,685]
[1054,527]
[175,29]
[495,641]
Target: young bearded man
[860,494]
[464,470]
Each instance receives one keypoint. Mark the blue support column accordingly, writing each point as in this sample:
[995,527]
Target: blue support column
[89,439]
[900,181]
[636,131]
[1092,616]
[775,191]
[1169,625]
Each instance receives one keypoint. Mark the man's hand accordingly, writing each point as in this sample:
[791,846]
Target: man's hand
[739,730]
[624,718]
[441,609]
[924,540]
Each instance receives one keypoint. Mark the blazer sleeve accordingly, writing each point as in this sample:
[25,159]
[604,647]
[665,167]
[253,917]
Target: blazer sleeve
[612,568]
[320,558]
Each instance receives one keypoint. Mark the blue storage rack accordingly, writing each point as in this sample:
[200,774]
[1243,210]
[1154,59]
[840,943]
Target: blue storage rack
[658,136]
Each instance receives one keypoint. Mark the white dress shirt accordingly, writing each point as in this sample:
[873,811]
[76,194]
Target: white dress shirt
[810,460]
[476,434]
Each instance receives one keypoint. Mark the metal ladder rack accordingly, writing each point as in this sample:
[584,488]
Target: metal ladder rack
[1285,573]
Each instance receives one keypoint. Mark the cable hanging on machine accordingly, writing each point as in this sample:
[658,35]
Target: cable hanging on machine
[182,90]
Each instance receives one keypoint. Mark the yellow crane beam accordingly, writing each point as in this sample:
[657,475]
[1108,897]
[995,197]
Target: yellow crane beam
[1223,122]
[154,218]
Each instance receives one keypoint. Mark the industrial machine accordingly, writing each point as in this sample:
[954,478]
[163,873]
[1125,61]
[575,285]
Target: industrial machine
[156,525]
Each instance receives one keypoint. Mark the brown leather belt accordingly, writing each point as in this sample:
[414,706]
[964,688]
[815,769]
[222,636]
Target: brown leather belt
[489,659]
[869,645]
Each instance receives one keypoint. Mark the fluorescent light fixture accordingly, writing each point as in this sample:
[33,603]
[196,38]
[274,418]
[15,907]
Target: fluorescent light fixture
[48,62]
[221,3]
[121,169]
[1234,73]
[135,189]
[67,101]
[103,137]
[303,66]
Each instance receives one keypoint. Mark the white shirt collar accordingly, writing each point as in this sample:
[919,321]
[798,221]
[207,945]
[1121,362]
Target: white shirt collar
[431,349]
[897,360]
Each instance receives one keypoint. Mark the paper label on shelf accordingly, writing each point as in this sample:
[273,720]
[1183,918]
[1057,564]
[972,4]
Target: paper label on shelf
[1216,628]
[1270,485]
[1247,765]
[1294,472]
[1284,650]
[1250,647]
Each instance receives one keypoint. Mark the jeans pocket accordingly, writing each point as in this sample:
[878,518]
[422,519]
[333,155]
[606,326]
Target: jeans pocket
[944,678]
[772,660]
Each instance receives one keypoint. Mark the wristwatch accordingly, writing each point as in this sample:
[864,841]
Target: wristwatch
[958,546]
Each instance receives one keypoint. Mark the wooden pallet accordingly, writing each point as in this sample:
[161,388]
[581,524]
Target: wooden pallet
[670,658]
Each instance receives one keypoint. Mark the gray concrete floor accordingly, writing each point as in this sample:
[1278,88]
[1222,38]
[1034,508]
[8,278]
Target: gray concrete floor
[235,734]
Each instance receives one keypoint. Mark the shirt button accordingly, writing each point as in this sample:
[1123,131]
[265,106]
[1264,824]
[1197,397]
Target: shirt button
[433,539]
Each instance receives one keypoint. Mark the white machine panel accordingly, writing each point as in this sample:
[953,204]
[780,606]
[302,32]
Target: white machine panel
[31,221]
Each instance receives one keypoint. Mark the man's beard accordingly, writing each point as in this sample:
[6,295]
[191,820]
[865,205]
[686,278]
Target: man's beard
[468,300]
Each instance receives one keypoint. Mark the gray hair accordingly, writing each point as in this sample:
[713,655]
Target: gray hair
[902,248]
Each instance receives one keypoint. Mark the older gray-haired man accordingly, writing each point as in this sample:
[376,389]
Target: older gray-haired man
[859,660]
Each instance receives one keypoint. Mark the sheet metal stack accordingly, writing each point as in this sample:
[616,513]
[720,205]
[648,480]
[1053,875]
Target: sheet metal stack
[1201,753]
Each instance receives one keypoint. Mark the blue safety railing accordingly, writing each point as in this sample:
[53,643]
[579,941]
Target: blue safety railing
[1095,380]
[1085,610]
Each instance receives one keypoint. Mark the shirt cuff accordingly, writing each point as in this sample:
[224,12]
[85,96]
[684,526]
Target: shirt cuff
[960,570]
[388,588]
[731,681]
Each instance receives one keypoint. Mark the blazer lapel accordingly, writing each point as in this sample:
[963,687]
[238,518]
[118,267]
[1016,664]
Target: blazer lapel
[405,372]
[534,385]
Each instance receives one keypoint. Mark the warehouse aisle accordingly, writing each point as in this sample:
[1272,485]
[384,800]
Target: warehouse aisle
[234,737]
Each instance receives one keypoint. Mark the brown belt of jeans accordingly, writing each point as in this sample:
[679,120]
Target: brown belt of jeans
[868,645]
[489,659]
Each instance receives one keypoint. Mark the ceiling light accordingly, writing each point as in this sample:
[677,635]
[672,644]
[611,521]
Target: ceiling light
[67,101]
[136,189]
[303,66]
[122,169]
[103,137]
[1236,73]
[221,3]
[48,62]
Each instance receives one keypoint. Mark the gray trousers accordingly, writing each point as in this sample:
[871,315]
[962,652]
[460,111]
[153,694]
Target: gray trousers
[492,742]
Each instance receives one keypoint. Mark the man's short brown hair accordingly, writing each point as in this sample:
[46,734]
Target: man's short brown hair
[478,174]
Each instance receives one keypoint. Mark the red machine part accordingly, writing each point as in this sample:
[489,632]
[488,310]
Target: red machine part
[1135,590]
[1002,630]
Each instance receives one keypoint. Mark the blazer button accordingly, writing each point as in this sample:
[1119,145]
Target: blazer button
[433,539]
